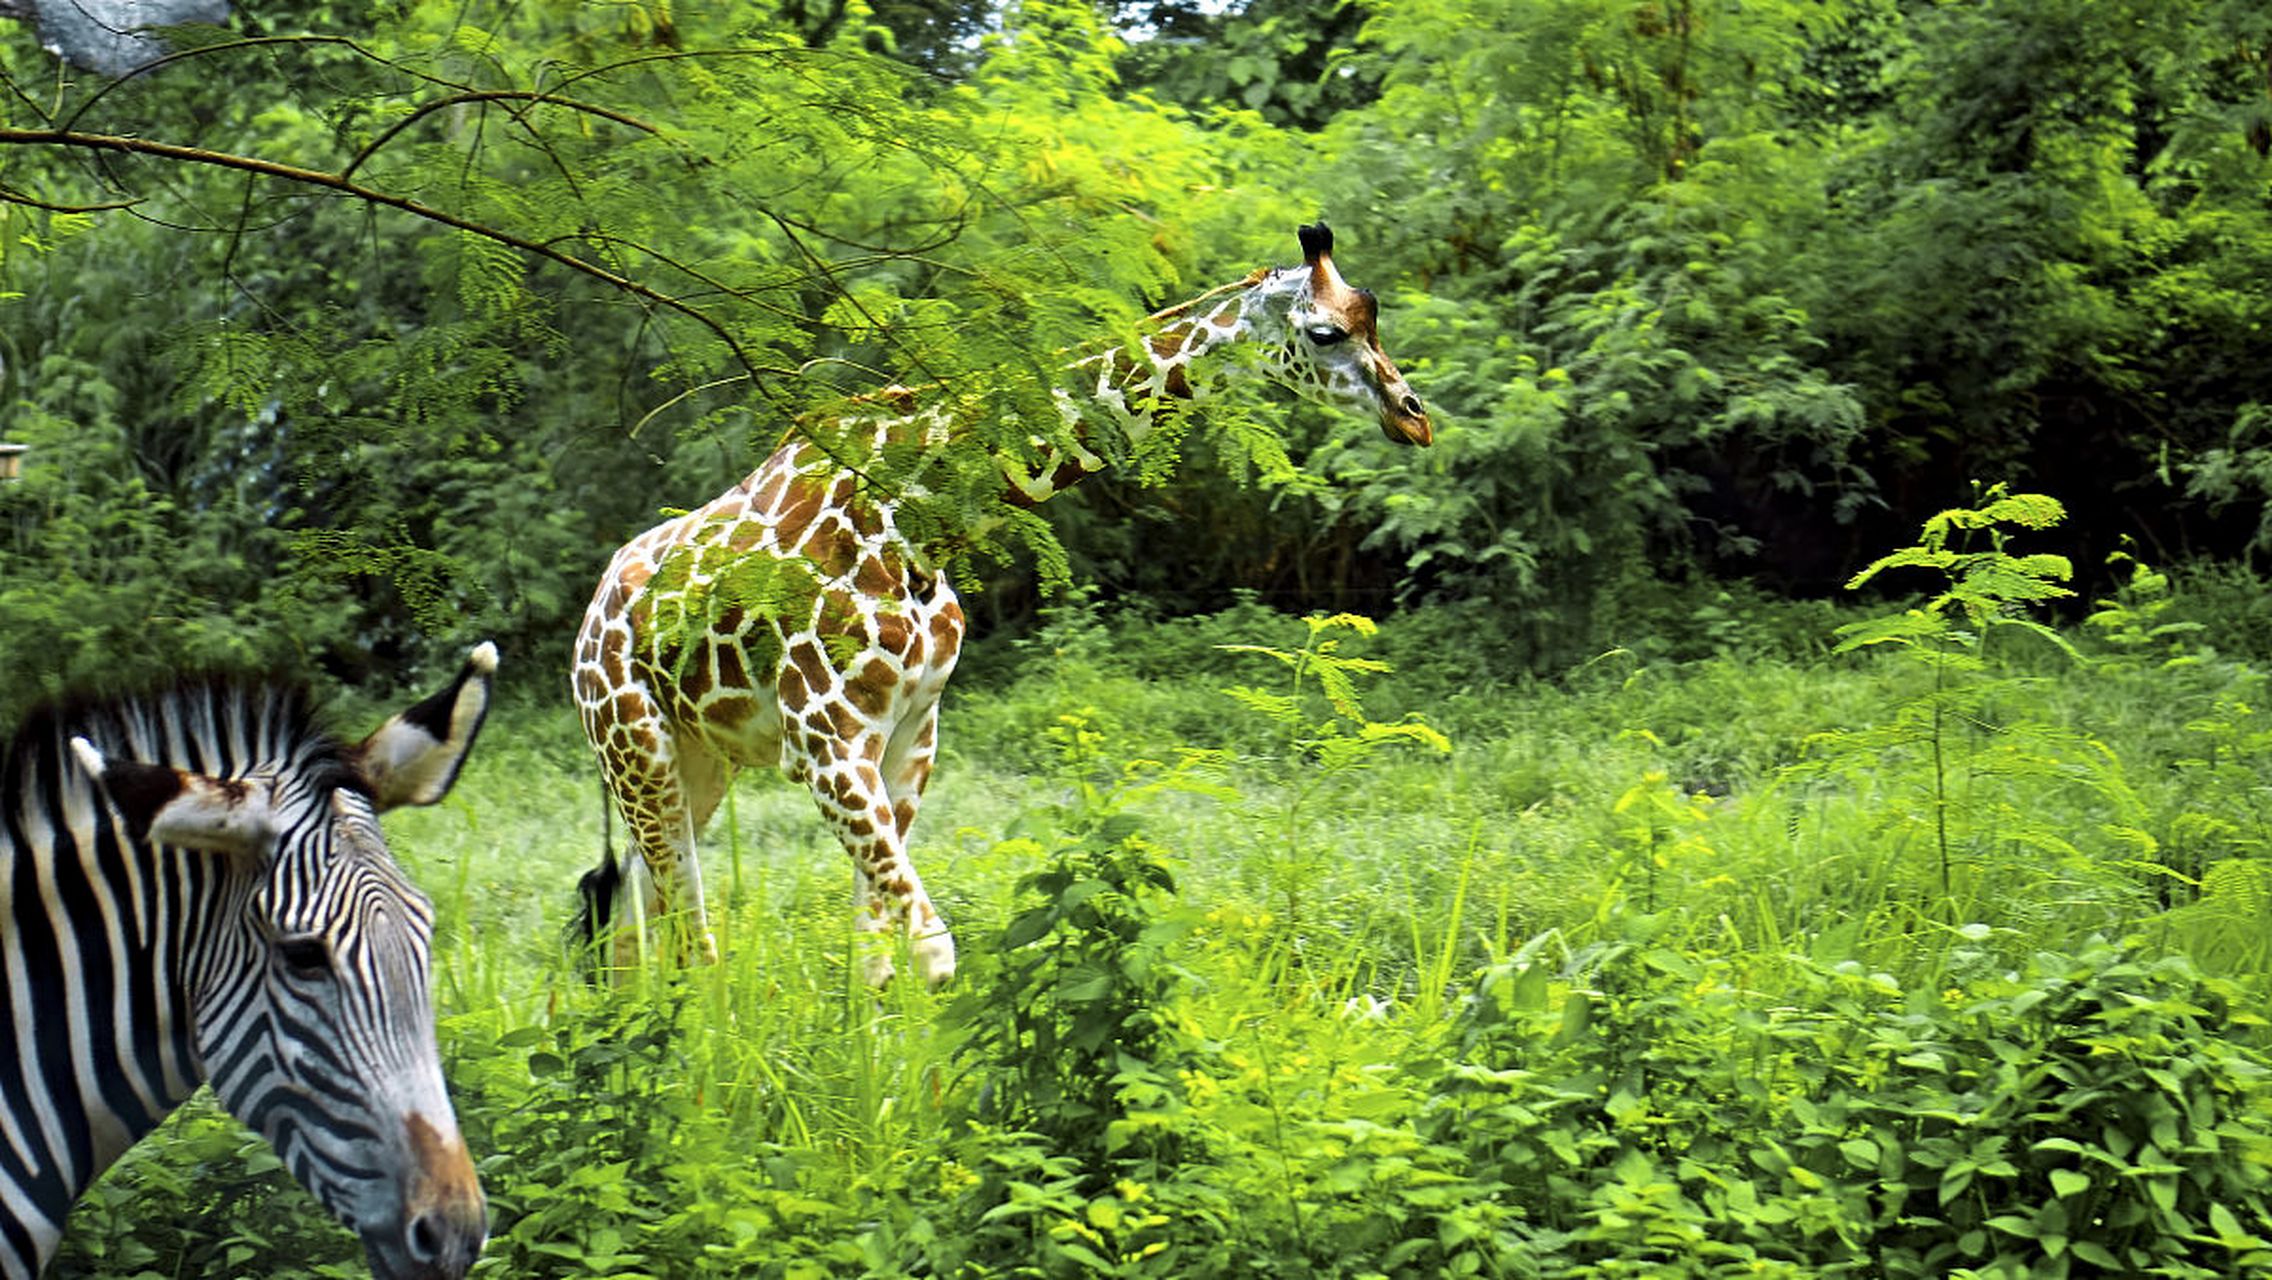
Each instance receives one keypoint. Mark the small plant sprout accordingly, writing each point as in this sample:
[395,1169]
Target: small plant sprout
[1321,744]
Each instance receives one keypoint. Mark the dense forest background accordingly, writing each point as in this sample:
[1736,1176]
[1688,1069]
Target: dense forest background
[1632,899]
[349,333]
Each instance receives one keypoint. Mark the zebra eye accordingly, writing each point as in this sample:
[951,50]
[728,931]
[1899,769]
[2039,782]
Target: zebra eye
[1325,335]
[306,956]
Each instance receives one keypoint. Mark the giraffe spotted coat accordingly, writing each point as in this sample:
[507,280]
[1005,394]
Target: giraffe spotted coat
[838,684]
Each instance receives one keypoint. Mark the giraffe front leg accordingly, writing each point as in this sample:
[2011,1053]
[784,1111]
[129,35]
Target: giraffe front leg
[887,892]
[871,930]
[906,769]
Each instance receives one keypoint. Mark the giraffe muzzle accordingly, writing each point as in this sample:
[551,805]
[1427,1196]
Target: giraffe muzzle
[1405,419]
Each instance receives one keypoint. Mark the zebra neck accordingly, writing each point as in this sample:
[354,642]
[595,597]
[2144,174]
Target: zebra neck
[100,956]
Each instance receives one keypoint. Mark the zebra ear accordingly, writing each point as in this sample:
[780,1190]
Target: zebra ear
[414,757]
[231,816]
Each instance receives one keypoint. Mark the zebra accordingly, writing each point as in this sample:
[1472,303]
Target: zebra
[194,886]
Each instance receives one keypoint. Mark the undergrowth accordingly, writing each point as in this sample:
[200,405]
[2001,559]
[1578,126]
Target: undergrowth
[1941,951]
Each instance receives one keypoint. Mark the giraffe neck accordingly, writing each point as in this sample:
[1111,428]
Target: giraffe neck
[1130,390]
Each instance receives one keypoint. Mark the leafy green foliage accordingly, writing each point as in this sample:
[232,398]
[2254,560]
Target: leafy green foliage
[1810,983]
[444,423]
[1320,745]
[1620,984]
[2028,1122]
[1978,755]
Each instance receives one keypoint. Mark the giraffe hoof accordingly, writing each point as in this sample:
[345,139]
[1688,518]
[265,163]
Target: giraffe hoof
[876,970]
[935,959]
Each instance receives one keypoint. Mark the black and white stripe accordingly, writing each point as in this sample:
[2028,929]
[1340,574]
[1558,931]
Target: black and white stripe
[194,886]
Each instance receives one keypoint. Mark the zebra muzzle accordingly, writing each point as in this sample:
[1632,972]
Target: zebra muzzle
[444,1221]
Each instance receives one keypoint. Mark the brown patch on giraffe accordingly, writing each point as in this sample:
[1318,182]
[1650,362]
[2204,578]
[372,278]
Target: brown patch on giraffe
[866,518]
[767,497]
[832,548]
[870,688]
[589,687]
[846,725]
[694,680]
[802,502]
[876,578]
[839,614]
[817,719]
[792,691]
[925,736]
[1177,384]
[903,815]
[733,673]
[811,663]
[859,826]
[730,621]
[731,713]
[893,632]
[946,628]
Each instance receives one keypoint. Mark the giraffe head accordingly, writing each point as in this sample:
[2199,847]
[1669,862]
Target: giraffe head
[1332,352]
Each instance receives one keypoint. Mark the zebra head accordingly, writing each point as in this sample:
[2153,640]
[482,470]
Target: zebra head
[313,1009]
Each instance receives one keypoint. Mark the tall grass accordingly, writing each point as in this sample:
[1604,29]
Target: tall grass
[1642,904]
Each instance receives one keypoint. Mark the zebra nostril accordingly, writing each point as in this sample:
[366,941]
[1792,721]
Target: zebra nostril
[427,1237]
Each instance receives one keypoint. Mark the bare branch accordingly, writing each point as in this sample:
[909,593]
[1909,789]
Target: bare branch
[111,143]
[9,195]
[490,95]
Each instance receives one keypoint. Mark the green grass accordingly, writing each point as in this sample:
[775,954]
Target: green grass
[1478,1017]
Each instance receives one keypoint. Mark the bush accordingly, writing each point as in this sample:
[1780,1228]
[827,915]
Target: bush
[1646,1106]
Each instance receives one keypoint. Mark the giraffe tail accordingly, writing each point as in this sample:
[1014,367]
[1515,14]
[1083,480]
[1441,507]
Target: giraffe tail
[595,893]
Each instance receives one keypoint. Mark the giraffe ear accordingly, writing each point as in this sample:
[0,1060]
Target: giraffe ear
[233,816]
[415,756]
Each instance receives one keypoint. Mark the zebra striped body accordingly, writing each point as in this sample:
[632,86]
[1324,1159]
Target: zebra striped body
[194,886]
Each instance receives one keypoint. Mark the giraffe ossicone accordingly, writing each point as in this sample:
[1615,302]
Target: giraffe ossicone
[842,631]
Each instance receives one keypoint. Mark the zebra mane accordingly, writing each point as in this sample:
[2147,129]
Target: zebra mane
[220,724]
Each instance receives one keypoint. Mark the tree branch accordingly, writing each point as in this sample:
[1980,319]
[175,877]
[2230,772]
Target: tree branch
[9,195]
[102,142]
[489,95]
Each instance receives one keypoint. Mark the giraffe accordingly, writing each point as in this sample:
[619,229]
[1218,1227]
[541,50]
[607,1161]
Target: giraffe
[836,677]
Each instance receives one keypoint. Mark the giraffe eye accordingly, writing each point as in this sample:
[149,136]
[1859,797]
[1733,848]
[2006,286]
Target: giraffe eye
[1325,335]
